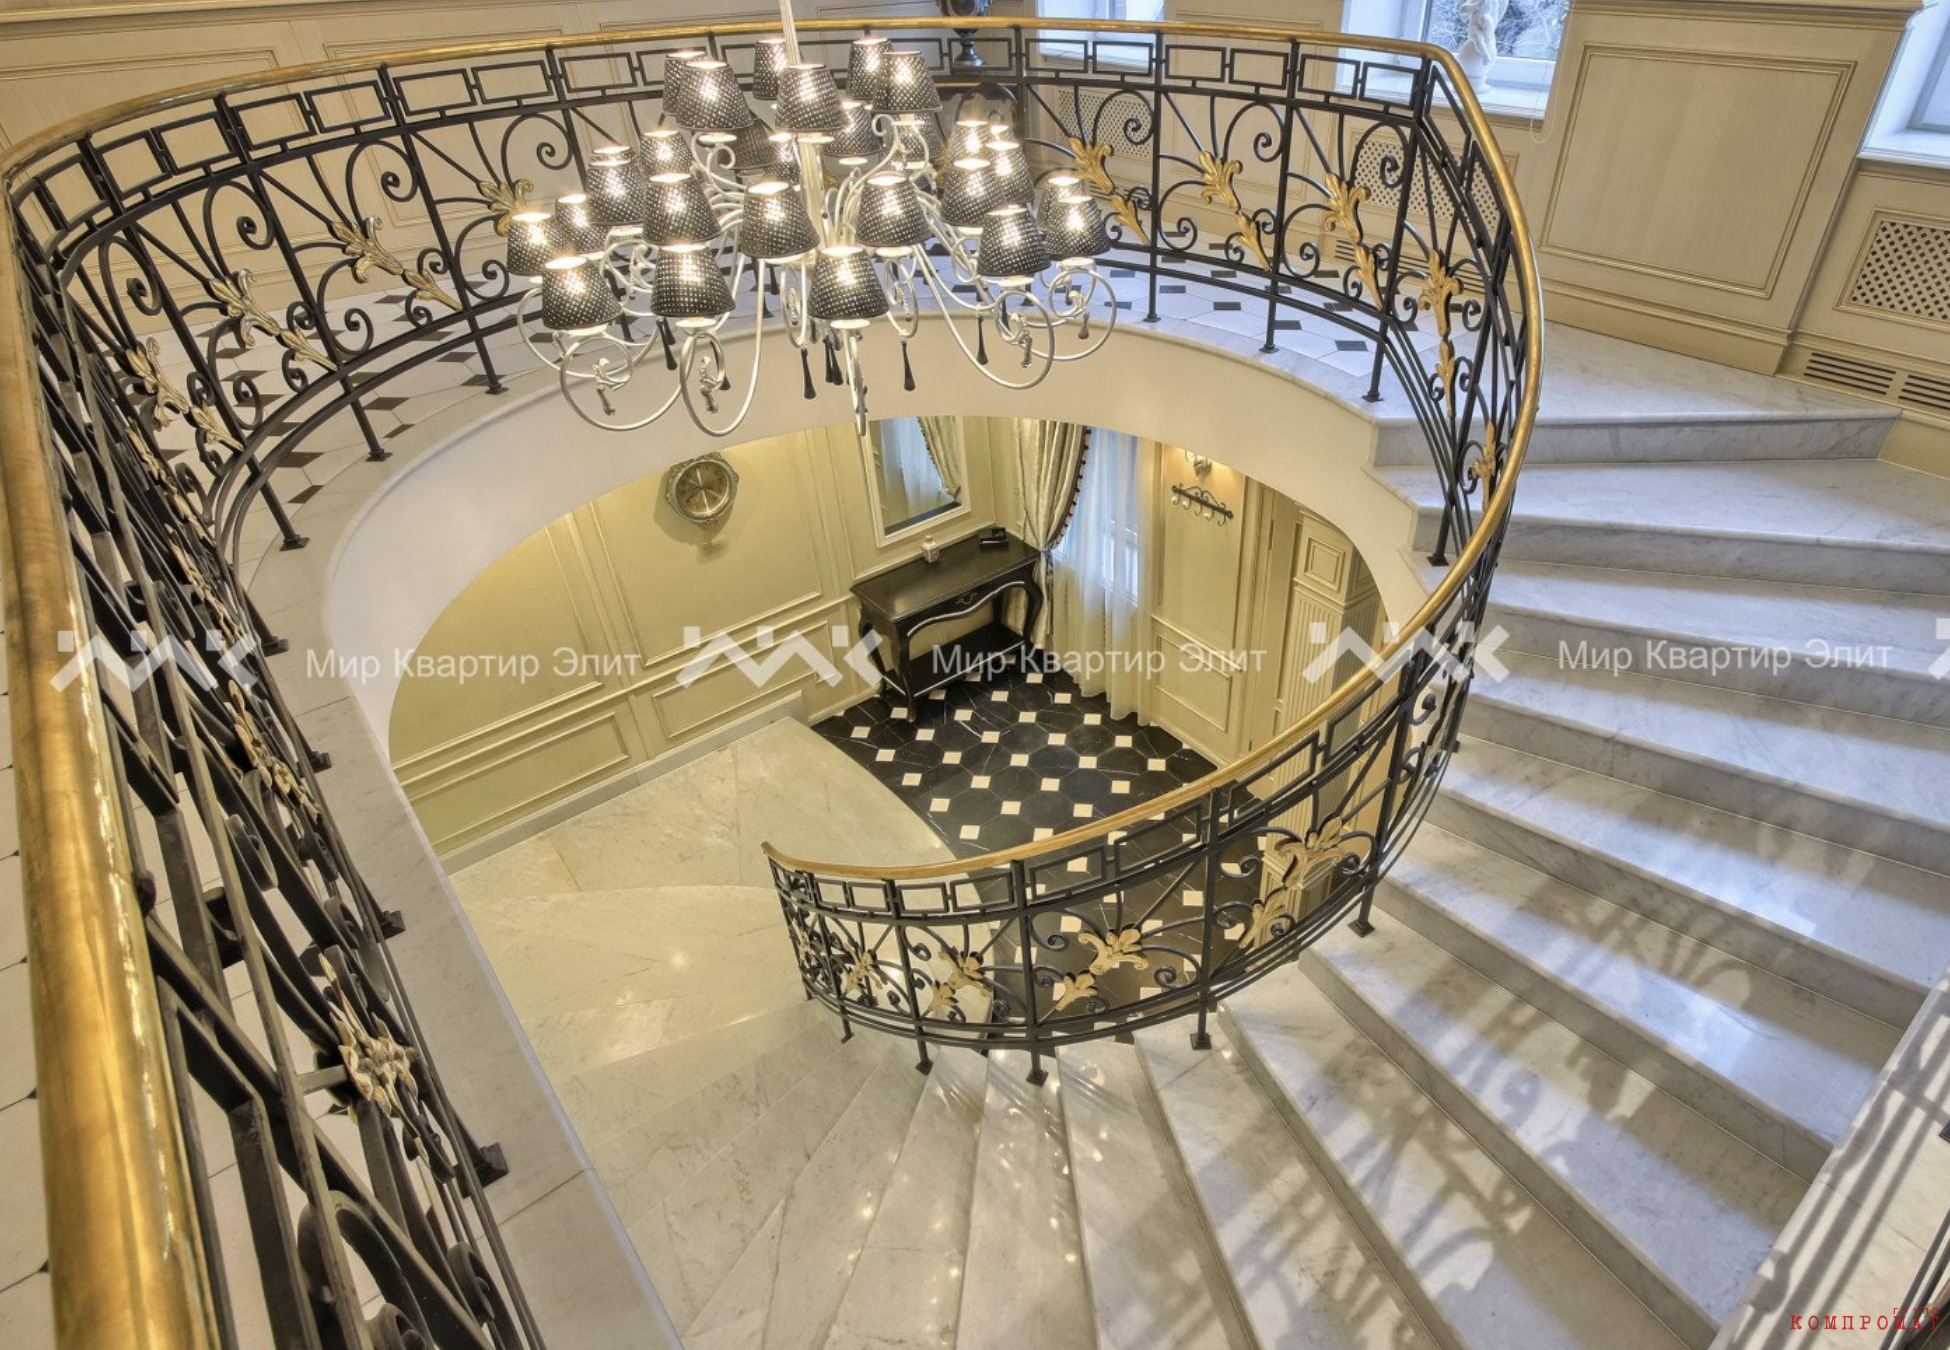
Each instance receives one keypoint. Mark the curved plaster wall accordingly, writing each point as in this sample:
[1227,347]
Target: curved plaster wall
[508,467]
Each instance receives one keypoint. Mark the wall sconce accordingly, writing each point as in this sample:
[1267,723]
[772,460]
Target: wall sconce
[1198,464]
[1200,501]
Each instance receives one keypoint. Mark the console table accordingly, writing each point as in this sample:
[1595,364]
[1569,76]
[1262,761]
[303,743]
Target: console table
[905,600]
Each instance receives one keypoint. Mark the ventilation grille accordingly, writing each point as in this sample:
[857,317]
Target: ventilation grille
[1906,271]
[1926,392]
[1115,126]
[1851,373]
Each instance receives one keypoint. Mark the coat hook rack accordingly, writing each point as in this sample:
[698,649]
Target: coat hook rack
[1199,499]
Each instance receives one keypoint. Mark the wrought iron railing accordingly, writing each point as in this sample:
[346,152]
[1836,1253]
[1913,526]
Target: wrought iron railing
[1379,208]
[219,1028]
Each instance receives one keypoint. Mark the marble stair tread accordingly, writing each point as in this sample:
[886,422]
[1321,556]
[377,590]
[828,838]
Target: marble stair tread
[1025,1281]
[1302,1272]
[1867,651]
[1862,929]
[785,1289]
[1154,1277]
[1678,1209]
[1769,1061]
[1822,522]
[1867,782]
[1484,1265]
[905,1292]
[693,1236]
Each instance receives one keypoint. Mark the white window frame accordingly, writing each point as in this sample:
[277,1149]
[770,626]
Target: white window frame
[1517,84]
[1128,55]
[1898,131]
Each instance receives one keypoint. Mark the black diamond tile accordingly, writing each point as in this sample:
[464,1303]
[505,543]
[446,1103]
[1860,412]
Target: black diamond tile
[1226,306]
[1350,345]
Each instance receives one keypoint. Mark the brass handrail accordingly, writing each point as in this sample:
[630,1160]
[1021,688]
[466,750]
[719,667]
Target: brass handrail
[125,1251]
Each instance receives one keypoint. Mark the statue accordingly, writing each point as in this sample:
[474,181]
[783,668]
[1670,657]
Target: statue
[1480,18]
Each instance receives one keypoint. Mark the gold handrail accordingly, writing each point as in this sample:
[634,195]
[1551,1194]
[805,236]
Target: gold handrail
[125,1251]
[123,1244]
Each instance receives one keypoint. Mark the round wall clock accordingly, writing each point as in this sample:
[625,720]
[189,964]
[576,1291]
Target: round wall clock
[701,490]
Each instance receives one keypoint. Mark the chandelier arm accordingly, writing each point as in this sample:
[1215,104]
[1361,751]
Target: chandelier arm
[954,331]
[856,379]
[944,291]
[569,397]
[1078,311]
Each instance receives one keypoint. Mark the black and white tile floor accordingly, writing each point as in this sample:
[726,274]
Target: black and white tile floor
[1017,757]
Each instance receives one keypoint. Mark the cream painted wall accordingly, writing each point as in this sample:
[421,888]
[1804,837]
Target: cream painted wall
[553,679]
[577,634]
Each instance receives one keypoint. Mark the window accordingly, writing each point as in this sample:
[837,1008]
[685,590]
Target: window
[1913,119]
[1134,11]
[1527,35]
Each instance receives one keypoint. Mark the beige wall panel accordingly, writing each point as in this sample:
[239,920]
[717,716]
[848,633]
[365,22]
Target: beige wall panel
[1881,192]
[759,566]
[532,602]
[1199,560]
[461,805]
[1644,192]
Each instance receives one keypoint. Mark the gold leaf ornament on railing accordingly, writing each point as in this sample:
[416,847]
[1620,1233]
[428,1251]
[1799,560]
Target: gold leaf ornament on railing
[1217,174]
[1344,216]
[361,244]
[167,402]
[1439,289]
[964,972]
[504,200]
[1090,160]
[1290,863]
[379,1068]
[248,318]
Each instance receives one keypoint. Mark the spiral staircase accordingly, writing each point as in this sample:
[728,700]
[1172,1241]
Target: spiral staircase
[1627,988]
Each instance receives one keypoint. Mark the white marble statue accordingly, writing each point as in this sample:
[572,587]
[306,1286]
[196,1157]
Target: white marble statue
[1480,18]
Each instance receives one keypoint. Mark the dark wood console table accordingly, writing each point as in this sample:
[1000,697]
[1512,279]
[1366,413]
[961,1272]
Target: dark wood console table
[902,601]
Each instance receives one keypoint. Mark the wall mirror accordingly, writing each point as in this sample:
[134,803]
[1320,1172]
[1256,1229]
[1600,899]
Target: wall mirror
[916,473]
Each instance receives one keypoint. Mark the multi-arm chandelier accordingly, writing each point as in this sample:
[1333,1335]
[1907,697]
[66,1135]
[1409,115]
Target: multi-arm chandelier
[847,210]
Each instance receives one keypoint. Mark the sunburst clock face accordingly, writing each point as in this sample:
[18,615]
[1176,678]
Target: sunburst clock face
[701,490]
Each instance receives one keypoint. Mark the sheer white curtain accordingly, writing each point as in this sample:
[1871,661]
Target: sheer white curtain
[1100,598]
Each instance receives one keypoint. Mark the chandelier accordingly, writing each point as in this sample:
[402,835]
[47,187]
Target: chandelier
[840,212]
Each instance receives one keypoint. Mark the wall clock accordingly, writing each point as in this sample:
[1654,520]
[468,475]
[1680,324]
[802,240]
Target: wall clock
[701,490]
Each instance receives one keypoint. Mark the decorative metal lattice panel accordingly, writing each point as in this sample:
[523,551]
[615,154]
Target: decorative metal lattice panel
[1906,271]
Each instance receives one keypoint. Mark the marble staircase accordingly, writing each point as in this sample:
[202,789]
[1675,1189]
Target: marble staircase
[1628,986]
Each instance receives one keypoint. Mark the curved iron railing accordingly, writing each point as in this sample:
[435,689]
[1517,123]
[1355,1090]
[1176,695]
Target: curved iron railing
[217,1018]
[1384,210]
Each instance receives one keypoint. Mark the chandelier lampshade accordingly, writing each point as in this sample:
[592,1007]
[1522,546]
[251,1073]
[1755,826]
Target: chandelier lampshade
[576,229]
[531,243]
[664,150]
[618,194]
[891,215]
[1013,250]
[809,103]
[680,215]
[775,223]
[970,137]
[863,68]
[677,69]
[709,102]
[1073,227]
[920,142]
[768,59]
[689,289]
[857,142]
[756,152]
[846,292]
[906,87]
[1011,171]
[970,193]
[576,297]
[1055,188]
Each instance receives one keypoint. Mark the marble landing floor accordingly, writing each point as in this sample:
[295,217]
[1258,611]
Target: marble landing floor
[641,946]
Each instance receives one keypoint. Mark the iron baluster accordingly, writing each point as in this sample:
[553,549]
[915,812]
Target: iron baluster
[1419,99]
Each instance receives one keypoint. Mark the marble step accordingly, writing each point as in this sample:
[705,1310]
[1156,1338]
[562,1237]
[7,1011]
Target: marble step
[1299,1267]
[1770,1062]
[1669,438]
[906,1287]
[1154,1275]
[1865,651]
[1867,932]
[1865,782]
[693,1235]
[1860,523]
[785,1289]
[1680,1211]
[1025,1282]
[647,1136]
[1483,1264]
